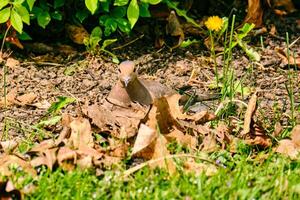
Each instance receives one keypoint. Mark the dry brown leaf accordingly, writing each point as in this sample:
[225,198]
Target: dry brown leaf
[47,158]
[160,151]
[209,143]
[11,63]
[42,105]
[198,168]
[67,158]
[174,28]
[85,162]
[120,122]
[183,139]
[258,136]
[7,160]
[177,113]
[277,130]
[44,145]
[295,136]
[120,151]
[145,137]
[109,161]
[249,113]
[26,99]
[81,133]
[222,134]
[291,59]
[10,98]
[254,13]
[8,146]
[76,33]
[288,148]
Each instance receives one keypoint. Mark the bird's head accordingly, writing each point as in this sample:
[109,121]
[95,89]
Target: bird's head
[127,74]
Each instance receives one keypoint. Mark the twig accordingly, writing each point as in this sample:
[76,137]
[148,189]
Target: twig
[43,63]
[129,43]
[149,162]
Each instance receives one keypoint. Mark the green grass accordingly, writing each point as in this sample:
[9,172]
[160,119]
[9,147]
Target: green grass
[239,177]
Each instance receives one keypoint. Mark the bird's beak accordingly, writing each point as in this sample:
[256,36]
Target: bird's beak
[126,80]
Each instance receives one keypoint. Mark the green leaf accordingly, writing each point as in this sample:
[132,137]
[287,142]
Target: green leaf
[57,15]
[105,6]
[133,12]
[118,12]
[18,2]
[43,18]
[92,5]
[123,25]
[120,2]
[111,24]
[96,32]
[23,12]
[24,36]
[49,122]
[16,21]
[3,3]
[108,42]
[58,3]
[4,15]
[30,4]
[188,42]
[144,10]
[152,2]
[58,105]
[81,15]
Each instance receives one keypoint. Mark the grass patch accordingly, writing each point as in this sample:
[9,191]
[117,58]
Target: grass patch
[238,177]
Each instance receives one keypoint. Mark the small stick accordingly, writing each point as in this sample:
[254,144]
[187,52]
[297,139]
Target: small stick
[129,43]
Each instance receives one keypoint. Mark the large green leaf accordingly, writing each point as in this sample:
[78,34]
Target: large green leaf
[30,4]
[133,12]
[3,3]
[43,18]
[23,12]
[4,15]
[153,2]
[16,21]
[92,5]
[120,2]
[58,3]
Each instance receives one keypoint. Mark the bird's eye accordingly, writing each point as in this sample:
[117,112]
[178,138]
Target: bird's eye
[119,70]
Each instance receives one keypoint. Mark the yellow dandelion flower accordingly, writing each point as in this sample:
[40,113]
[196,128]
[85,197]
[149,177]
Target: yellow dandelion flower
[214,23]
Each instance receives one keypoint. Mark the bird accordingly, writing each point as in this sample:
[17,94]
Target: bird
[132,88]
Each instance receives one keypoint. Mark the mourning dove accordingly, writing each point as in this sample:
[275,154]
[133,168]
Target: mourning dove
[131,88]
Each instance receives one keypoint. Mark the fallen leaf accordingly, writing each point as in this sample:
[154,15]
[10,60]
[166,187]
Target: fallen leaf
[10,98]
[11,63]
[67,158]
[8,160]
[277,130]
[209,143]
[222,134]
[288,59]
[295,136]
[8,145]
[27,98]
[81,133]
[183,139]
[47,158]
[288,148]
[145,137]
[249,113]
[174,28]
[197,169]
[254,13]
